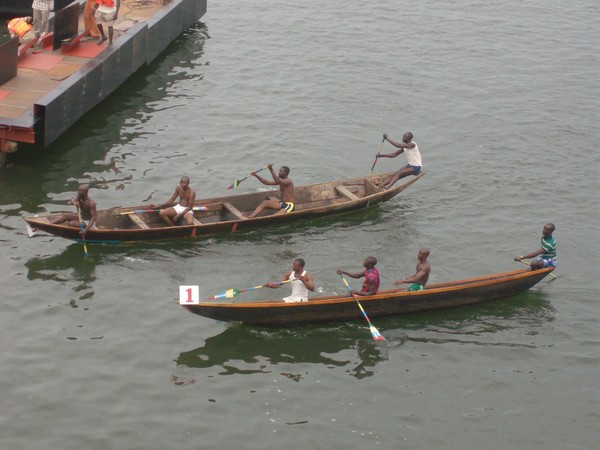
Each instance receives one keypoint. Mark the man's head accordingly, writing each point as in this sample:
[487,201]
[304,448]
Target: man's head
[298,264]
[284,172]
[407,137]
[82,191]
[548,229]
[184,182]
[370,262]
[28,19]
[423,254]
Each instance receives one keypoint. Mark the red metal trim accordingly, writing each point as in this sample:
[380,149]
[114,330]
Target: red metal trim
[18,134]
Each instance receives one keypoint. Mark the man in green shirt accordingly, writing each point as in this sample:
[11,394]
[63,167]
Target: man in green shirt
[546,254]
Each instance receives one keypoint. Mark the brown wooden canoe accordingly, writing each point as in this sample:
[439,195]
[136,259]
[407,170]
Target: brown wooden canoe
[386,303]
[227,214]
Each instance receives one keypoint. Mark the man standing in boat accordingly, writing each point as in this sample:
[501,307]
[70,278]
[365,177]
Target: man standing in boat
[546,253]
[86,205]
[371,273]
[183,208]
[301,282]
[419,279]
[286,188]
[412,155]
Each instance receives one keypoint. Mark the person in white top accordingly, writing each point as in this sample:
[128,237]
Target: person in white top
[412,155]
[302,282]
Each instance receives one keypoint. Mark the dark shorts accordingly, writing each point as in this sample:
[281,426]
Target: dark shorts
[416,169]
[287,206]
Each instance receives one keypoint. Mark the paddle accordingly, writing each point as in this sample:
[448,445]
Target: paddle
[529,264]
[81,228]
[230,293]
[374,331]
[195,208]
[236,183]
[377,157]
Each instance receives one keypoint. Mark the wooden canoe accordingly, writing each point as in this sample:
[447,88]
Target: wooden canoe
[227,214]
[386,303]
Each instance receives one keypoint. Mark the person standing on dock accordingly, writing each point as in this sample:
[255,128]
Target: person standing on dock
[286,188]
[106,12]
[41,12]
[23,28]
[89,20]
[412,155]
[86,205]
[419,279]
[301,282]
[176,211]
[546,253]
[371,273]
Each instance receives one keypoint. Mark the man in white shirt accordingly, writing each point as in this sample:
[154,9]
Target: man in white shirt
[412,155]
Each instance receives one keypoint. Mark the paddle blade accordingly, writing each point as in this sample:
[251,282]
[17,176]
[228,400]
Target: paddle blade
[235,184]
[376,334]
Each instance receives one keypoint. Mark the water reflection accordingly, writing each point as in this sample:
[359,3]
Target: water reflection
[501,323]
[249,350]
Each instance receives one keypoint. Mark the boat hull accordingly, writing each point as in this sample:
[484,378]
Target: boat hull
[385,303]
[222,214]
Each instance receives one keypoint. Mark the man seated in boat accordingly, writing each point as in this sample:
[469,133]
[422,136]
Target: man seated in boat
[23,28]
[286,189]
[301,282]
[171,211]
[546,254]
[86,206]
[413,156]
[419,279]
[370,285]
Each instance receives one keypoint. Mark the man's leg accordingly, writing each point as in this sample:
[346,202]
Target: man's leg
[102,35]
[271,204]
[166,214]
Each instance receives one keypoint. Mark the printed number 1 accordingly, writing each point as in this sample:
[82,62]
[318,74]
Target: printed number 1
[189,295]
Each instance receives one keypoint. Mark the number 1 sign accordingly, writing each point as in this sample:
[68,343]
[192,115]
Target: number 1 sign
[189,295]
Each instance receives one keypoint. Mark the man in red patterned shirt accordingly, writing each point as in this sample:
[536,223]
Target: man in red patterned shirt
[371,273]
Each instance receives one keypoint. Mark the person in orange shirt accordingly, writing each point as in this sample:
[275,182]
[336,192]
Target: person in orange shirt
[106,12]
[23,28]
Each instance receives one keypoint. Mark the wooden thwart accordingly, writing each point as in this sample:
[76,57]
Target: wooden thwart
[233,210]
[138,221]
[345,192]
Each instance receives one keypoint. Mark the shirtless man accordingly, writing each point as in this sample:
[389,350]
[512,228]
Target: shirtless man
[419,279]
[302,282]
[412,155]
[86,205]
[183,208]
[286,187]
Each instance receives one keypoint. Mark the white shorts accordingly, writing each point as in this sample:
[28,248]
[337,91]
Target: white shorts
[179,209]
[291,299]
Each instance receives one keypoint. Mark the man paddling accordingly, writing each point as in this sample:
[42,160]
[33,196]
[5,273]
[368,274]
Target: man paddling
[171,211]
[286,189]
[546,254]
[413,156]
[86,205]
[302,282]
[371,273]
[419,279]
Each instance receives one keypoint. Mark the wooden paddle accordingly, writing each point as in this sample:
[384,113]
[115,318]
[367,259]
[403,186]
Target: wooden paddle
[230,293]
[195,208]
[236,183]
[374,331]
[377,156]
[529,264]
[81,228]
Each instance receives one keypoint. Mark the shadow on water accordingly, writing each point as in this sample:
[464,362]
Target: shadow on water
[523,315]
[248,350]
[82,149]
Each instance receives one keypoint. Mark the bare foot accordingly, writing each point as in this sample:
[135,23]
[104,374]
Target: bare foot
[102,39]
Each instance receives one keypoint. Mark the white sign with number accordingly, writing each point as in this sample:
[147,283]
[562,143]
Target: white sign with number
[189,295]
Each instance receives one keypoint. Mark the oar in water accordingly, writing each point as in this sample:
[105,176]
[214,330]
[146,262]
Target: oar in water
[81,228]
[374,331]
[236,183]
[377,157]
[137,211]
[235,292]
[529,264]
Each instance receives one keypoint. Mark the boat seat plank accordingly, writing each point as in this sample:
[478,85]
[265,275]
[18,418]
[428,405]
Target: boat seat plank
[138,221]
[233,210]
[345,192]
[372,186]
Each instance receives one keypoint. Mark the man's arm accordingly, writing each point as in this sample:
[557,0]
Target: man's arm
[308,281]
[276,285]
[416,278]
[370,288]
[538,252]
[264,181]
[352,275]
[92,221]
